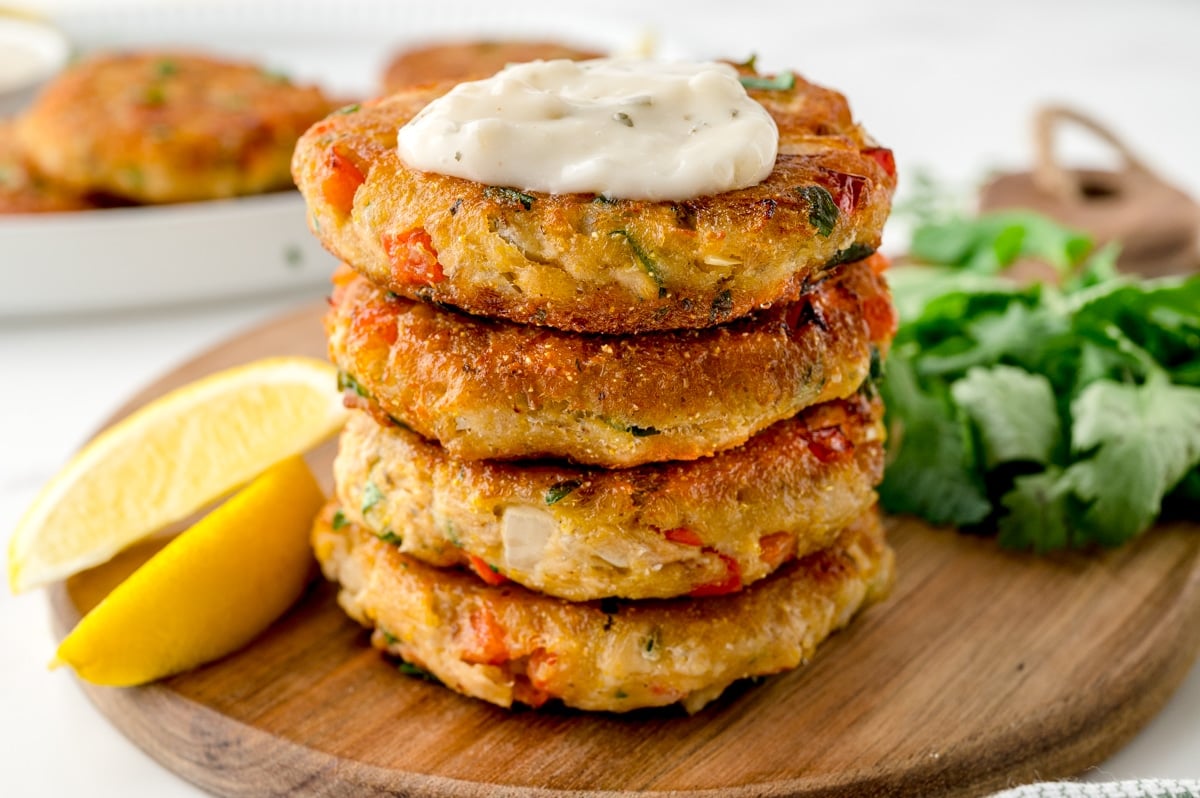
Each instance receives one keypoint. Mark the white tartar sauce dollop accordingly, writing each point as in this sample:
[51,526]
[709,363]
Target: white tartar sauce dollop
[621,128]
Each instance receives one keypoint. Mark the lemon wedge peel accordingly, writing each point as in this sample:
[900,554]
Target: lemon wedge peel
[208,592]
[169,459]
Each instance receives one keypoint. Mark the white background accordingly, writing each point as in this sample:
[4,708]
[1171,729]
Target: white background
[948,86]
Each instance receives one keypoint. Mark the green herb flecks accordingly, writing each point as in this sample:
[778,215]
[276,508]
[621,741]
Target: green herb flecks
[750,63]
[339,520]
[390,537]
[510,196]
[372,496]
[642,432]
[855,251]
[154,95]
[1056,416]
[346,381]
[784,81]
[652,646]
[166,68]
[277,77]
[643,258]
[388,637]
[560,490]
[347,109]
[408,669]
[822,210]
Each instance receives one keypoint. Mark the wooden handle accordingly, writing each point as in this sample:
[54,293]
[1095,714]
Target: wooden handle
[1048,174]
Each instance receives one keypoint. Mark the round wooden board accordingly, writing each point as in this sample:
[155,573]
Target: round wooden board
[984,669]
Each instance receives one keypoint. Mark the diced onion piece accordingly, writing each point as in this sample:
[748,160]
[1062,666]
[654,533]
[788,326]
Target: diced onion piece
[525,532]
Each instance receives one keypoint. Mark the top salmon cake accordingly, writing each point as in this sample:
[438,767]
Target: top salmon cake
[587,263]
[169,127]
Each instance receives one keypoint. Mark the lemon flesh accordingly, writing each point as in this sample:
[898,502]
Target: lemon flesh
[210,591]
[171,458]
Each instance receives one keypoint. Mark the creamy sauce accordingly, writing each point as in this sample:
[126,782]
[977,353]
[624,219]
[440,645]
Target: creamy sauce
[20,65]
[621,128]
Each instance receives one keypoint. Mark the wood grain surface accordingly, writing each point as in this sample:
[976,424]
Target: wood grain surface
[984,669]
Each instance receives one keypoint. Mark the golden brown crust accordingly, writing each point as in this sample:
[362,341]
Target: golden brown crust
[169,127]
[580,263]
[504,644]
[25,190]
[655,531]
[493,389]
[459,61]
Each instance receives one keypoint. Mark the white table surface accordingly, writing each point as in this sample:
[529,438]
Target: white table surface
[946,86]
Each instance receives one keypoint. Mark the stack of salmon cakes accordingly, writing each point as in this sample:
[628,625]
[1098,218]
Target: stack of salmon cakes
[615,452]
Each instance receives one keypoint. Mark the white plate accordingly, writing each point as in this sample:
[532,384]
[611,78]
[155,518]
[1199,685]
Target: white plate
[129,257]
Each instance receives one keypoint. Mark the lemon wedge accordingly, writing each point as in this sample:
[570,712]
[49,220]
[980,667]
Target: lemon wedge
[171,458]
[210,591]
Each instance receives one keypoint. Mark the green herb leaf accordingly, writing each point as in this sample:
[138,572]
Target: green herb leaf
[822,210]
[932,473]
[784,81]
[372,496]
[347,109]
[346,381]
[642,432]
[1145,439]
[643,258]
[988,243]
[388,536]
[408,669]
[339,520]
[1038,516]
[560,490]
[1060,417]
[855,251]
[1014,412]
[510,196]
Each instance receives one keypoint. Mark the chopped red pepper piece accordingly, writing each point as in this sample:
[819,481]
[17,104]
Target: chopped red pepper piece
[880,316]
[683,535]
[730,584]
[340,181]
[829,444]
[846,189]
[884,157]
[776,548]
[485,572]
[413,258]
[878,262]
[485,639]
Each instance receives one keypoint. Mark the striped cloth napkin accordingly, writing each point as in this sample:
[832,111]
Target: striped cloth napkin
[1142,788]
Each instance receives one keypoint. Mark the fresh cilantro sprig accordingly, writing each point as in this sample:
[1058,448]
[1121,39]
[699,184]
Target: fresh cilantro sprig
[1057,416]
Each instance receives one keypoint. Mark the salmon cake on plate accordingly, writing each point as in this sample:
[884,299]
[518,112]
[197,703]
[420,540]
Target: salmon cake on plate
[23,189]
[159,127]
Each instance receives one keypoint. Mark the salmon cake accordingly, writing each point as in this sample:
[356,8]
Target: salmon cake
[169,127]
[588,263]
[700,528]
[466,60]
[25,190]
[494,389]
[505,644]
